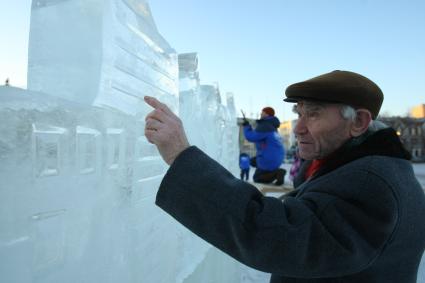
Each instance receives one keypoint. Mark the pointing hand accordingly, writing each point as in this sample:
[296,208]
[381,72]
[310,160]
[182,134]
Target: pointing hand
[164,129]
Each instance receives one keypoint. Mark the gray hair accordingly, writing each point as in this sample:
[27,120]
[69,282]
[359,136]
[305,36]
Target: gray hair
[349,113]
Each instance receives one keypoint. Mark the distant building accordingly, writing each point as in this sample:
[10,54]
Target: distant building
[418,111]
[286,130]
[412,134]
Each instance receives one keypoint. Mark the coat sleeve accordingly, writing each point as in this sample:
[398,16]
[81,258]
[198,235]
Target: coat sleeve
[254,136]
[316,236]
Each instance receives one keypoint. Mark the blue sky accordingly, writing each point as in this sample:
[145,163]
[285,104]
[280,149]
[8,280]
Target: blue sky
[255,49]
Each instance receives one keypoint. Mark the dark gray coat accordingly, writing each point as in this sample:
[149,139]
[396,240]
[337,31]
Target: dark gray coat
[359,219]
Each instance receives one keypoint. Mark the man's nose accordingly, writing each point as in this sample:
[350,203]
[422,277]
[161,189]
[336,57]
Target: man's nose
[300,127]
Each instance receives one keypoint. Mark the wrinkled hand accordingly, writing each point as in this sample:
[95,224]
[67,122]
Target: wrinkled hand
[164,129]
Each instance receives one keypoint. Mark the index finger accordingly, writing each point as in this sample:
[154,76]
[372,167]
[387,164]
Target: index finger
[156,104]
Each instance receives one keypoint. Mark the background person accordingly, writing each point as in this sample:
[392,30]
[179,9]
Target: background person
[244,165]
[296,165]
[269,147]
[356,217]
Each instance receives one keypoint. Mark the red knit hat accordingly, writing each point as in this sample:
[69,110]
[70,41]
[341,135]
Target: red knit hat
[268,110]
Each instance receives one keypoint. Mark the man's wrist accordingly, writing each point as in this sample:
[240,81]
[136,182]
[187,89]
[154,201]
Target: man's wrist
[176,154]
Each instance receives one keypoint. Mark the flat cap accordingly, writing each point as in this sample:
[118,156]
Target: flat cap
[339,87]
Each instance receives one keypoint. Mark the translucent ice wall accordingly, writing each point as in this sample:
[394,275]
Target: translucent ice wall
[230,149]
[214,125]
[100,52]
[78,177]
[191,109]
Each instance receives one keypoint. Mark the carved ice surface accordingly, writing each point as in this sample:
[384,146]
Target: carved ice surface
[78,177]
[100,52]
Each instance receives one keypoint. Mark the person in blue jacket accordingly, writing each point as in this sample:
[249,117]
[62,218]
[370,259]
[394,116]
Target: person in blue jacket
[270,150]
[244,164]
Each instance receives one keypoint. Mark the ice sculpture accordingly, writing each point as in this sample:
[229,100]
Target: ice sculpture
[78,177]
[231,145]
[191,111]
[99,52]
[201,109]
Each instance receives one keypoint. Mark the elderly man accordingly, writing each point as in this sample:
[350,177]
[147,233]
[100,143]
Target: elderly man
[355,216]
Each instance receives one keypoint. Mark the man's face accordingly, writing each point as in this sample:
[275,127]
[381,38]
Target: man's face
[320,129]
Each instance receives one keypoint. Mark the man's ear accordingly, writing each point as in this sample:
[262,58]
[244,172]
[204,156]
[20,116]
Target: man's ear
[361,123]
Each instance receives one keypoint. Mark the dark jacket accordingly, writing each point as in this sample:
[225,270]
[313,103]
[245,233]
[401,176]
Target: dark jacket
[268,143]
[359,219]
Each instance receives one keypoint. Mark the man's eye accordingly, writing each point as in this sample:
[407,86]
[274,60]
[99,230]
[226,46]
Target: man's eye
[313,114]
